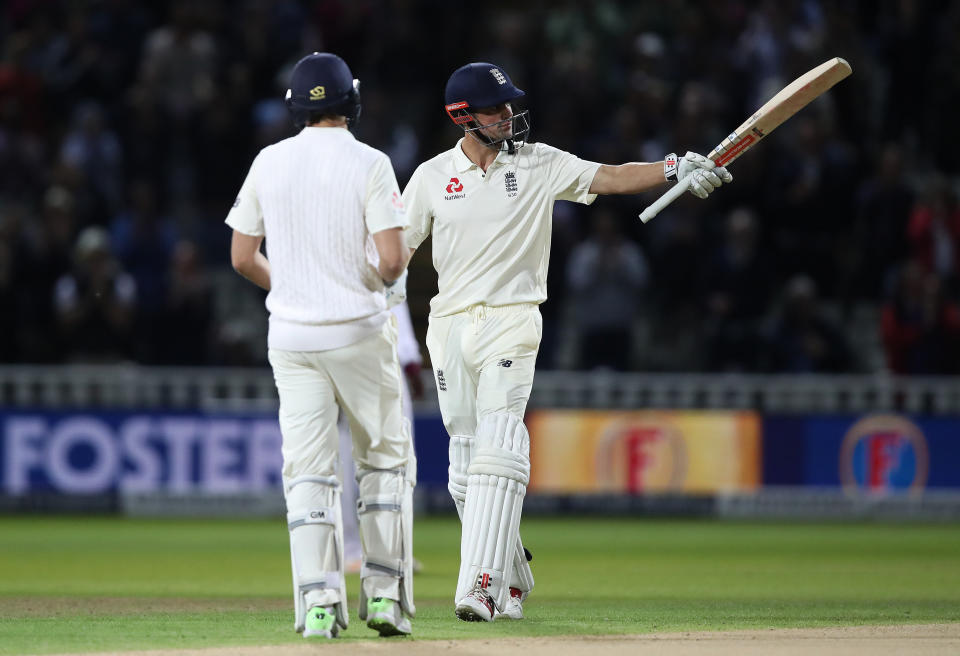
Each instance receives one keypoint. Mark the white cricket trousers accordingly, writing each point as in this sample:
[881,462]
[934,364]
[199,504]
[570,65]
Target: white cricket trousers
[352,550]
[365,380]
[483,362]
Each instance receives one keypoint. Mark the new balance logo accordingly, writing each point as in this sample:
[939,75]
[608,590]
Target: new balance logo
[505,363]
[441,381]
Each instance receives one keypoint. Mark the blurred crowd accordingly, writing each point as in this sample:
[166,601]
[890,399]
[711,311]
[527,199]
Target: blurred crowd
[126,129]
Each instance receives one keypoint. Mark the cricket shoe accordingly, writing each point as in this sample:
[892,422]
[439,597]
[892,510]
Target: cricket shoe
[386,617]
[514,609]
[476,606]
[321,623]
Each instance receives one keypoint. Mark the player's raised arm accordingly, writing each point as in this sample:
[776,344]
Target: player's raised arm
[637,177]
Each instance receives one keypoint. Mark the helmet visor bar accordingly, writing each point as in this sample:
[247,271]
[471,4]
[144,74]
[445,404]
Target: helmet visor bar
[519,124]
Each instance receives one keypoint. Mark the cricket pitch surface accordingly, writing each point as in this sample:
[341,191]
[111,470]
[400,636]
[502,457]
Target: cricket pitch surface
[917,640]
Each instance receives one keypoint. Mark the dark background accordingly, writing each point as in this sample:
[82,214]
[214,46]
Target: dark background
[127,128]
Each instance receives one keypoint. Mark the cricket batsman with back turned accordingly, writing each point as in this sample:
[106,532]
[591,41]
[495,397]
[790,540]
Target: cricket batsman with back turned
[330,210]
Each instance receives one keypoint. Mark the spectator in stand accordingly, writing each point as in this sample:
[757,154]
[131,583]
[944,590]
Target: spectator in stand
[920,326]
[934,230]
[883,209]
[738,295]
[9,305]
[94,149]
[606,273]
[46,251]
[143,239]
[95,303]
[802,339]
[188,311]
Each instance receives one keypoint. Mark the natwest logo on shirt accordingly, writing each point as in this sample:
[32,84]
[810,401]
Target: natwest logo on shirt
[454,189]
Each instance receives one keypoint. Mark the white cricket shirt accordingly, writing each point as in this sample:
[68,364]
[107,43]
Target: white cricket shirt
[491,232]
[318,197]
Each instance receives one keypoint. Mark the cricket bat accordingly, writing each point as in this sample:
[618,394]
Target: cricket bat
[790,100]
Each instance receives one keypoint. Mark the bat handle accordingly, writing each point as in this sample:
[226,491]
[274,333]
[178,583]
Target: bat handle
[668,197]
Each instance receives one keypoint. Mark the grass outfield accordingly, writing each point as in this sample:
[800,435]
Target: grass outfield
[95,584]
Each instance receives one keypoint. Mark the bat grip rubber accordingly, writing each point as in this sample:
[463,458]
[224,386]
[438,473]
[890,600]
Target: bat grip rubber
[668,197]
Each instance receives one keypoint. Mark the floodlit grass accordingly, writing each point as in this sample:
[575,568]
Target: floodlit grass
[93,584]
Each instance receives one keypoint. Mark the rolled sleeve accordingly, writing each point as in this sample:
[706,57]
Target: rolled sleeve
[246,216]
[419,213]
[385,208]
[569,176]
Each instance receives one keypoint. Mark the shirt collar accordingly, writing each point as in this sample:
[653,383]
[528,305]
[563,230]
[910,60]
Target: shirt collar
[308,130]
[463,163]
[460,159]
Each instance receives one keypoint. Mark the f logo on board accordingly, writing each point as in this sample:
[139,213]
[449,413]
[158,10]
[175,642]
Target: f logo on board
[454,186]
[641,456]
[884,454]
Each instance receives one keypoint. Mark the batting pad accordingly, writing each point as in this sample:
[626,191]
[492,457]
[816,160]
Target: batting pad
[316,546]
[460,450]
[385,509]
[496,484]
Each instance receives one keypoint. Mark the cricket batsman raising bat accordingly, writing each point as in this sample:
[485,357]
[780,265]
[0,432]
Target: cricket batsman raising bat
[488,203]
[790,100]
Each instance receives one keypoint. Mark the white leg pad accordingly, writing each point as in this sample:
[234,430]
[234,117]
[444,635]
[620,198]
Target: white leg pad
[460,451]
[497,482]
[316,546]
[386,531]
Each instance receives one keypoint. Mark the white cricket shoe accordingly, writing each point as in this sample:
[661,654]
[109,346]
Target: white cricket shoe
[514,609]
[476,606]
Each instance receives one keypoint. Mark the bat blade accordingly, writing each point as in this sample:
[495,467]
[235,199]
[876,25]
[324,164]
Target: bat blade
[787,102]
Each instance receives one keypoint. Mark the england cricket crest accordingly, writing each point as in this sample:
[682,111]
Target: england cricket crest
[510,183]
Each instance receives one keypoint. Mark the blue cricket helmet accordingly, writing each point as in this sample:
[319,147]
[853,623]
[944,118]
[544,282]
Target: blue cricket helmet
[479,85]
[322,83]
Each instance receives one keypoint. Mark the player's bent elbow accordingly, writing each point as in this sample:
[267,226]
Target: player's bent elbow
[240,262]
[391,270]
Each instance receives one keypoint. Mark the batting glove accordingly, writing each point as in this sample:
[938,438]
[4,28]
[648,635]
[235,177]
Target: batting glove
[707,176]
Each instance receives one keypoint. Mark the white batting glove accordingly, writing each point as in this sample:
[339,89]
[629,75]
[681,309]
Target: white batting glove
[707,176]
[396,291]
